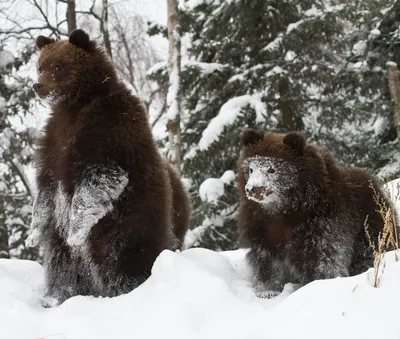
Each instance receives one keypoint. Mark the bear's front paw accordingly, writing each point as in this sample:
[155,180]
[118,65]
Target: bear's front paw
[267,294]
[48,301]
[33,239]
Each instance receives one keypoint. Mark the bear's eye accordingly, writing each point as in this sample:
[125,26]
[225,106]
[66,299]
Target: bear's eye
[250,170]
[40,69]
[57,68]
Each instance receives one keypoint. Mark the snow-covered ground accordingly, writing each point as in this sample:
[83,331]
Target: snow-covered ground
[198,293]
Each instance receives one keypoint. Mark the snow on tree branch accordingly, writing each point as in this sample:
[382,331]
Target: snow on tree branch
[228,114]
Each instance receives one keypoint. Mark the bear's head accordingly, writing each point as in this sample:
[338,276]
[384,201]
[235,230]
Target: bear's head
[280,172]
[74,69]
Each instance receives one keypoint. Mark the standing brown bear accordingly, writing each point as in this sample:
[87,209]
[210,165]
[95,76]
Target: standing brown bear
[301,214]
[108,204]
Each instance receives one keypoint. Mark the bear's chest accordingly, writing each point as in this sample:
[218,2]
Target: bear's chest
[58,153]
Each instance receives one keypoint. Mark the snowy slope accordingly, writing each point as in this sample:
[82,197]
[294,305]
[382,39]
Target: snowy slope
[202,294]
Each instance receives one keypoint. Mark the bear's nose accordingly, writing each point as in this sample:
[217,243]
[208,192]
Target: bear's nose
[255,192]
[37,86]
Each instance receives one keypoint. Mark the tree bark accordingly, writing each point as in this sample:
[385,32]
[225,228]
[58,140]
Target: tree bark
[289,121]
[174,98]
[394,87]
[104,28]
[71,16]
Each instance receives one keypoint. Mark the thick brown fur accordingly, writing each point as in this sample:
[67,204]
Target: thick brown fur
[314,229]
[97,125]
[181,207]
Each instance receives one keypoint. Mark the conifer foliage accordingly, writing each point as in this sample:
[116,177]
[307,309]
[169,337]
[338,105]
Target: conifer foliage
[315,66]
[16,152]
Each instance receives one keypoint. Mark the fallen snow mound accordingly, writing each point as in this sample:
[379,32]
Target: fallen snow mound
[198,293]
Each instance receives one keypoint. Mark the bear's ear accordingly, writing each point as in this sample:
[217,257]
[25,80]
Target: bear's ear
[251,136]
[295,141]
[79,38]
[42,41]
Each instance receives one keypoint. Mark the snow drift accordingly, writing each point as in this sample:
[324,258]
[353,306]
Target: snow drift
[198,293]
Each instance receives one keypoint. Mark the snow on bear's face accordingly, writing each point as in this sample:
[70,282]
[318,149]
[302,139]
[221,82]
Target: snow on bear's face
[269,180]
[279,171]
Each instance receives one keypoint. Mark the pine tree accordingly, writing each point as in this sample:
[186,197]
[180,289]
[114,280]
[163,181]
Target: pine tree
[382,40]
[276,65]
[15,153]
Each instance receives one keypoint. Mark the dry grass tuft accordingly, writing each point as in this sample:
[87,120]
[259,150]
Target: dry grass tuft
[388,236]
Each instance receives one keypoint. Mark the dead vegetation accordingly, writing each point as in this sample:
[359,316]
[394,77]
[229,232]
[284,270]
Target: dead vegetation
[388,237]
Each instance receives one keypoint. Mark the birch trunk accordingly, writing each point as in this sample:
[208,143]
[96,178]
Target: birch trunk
[394,87]
[71,16]
[174,98]
[104,28]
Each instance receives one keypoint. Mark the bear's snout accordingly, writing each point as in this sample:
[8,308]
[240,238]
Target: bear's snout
[37,86]
[41,89]
[256,192]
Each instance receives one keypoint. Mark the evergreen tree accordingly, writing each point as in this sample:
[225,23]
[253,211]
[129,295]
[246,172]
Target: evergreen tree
[15,153]
[277,65]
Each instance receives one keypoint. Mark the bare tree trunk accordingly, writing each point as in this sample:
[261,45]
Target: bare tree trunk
[71,16]
[394,87]
[104,28]
[174,98]
[289,122]
[103,19]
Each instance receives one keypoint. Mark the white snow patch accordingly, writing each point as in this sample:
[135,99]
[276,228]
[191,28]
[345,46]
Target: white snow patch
[313,12]
[374,33]
[290,56]
[360,66]
[274,44]
[228,177]
[211,190]
[205,67]
[380,125]
[156,67]
[92,200]
[187,183]
[294,25]
[193,236]
[227,115]
[359,48]
[200,294]
[192,153]
[192,4]
[276,70]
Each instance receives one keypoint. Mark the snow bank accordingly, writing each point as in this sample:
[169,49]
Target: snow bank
[198,293]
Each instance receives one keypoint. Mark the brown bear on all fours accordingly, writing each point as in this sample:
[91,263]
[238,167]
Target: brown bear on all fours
[108,203]
[301,214]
